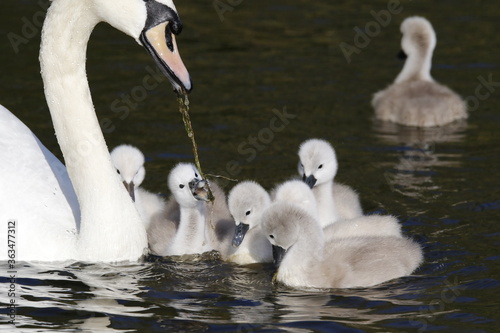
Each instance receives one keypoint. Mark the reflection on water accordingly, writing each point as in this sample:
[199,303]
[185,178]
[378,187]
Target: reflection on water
[417,161]
[49,294]
[441,183]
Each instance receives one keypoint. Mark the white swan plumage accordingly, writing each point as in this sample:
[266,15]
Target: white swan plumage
[129,163]
[297,192]
[307,259]
[36,193]
[247,201]
[415,99]
[318,166]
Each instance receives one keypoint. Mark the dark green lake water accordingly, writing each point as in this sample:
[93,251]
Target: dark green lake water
[264,60]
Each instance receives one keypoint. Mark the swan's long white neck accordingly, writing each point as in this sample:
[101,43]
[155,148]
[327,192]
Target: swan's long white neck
[327,213]
[308,248]
[111,229]
[191,235]
[417,67]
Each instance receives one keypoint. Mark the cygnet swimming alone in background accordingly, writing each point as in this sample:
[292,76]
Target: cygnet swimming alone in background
[306,259]
[415,99]
[247,201]
[318,167]
[129,163]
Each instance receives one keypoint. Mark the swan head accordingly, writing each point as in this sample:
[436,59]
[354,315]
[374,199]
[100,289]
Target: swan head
[318,162]
[129,163]
[419,38]
[281,225]
[246,202]
[187,186]
[297,192]
[418,41]
[153,24]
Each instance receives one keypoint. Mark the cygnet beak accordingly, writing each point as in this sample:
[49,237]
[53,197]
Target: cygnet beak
[239,234]
[402,55]
[278,255]
[310,181]
[130,189]
[199,189]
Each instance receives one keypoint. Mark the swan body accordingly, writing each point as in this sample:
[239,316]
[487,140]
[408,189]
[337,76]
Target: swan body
[318,167]
[415,99]
[91,217]
[41,173]
[307,259]
[187,188]
[365,226]
[129,163]
[220,224]
[298,193]
[247,201]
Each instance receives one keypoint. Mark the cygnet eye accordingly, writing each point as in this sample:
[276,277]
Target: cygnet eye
[181,186]
[271,236]
[247,212]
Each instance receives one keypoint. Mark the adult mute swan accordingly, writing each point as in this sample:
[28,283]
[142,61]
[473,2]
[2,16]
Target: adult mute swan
[129,163]
[37,204]
[318,167]
[415,99]
[306,259]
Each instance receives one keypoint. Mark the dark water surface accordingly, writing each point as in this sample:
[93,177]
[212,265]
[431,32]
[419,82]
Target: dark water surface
[281,60]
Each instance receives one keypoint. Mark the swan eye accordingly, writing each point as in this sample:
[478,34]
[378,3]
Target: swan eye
[247,212]
[196,175]
[320,166]
[181,186]
[118,171]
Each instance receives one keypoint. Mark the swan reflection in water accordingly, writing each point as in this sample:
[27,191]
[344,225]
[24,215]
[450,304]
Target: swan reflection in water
[86,294]
[418,159]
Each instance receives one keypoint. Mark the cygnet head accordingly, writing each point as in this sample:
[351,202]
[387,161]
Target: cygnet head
[129,163]
[246,202]
[297,192]
[281,223]
[186,185]
[318,162]
[419,37]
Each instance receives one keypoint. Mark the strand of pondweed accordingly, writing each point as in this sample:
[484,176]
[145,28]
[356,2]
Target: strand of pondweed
[183,100]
